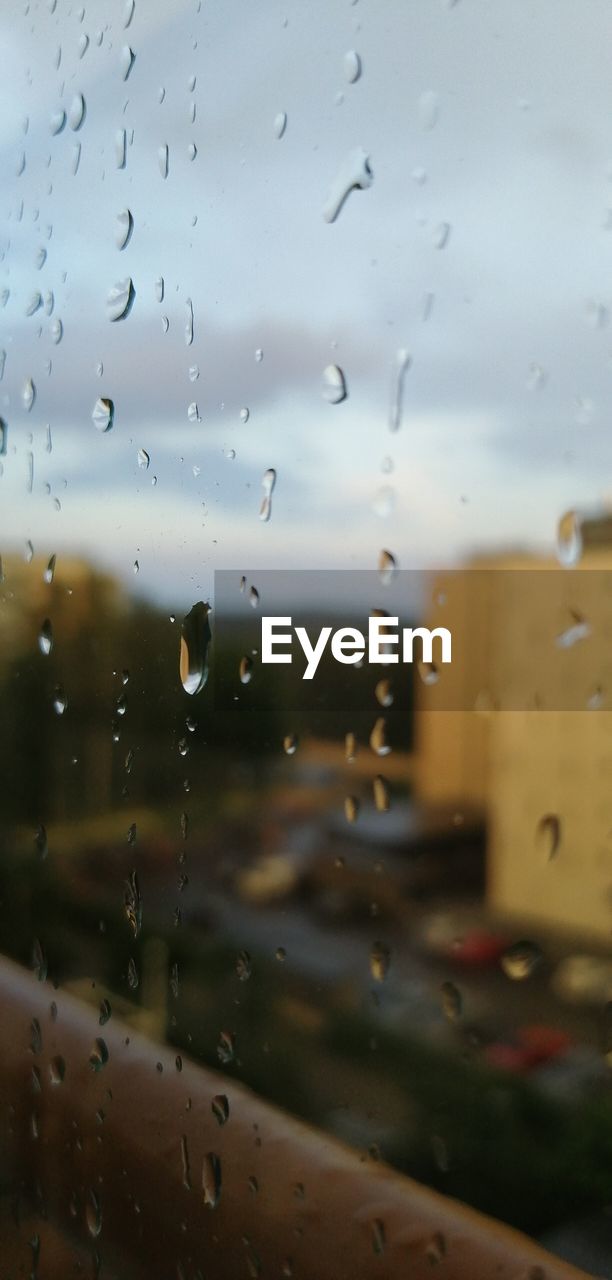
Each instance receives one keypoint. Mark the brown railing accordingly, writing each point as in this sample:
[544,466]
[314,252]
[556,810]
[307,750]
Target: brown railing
[124,1161]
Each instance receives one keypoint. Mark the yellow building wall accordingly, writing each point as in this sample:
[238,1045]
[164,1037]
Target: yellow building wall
[519,766]
[552,763]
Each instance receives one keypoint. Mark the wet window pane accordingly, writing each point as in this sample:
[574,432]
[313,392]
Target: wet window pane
[304,342]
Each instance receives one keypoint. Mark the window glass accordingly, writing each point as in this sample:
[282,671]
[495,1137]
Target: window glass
[303,306]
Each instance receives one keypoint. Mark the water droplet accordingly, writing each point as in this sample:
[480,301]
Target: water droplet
[451,1001]
[57,1069]
[132,902]
[436,1249]
[120,299]
[220,1108]
[159,289]
[382,799]
[174,981]
[105,1012]
[548,834]
[585,409]
[569,539]
[124,225]
[120,148]
[93,1215]
[56,329]
[578,630]
[188,322]
[402,365]
[143,459]
[384,693]
[428,109]
[193,412]
[226,1047]
[378,1236]
[76,157]
[211,1180]
[162,160]
[28,394]
[246,669]
[354,172]
[352,66]
[3,436]
[98,1056]
[126,60]
[83,45]
[268,482]
[351,809]
[244,415]
[258,355]
[45,637]
[39,961]
[520,960]
[243,965]
[128,12]
[536,377]
[76,112]
[103,414]
[380,961]
[334,384]
[280,124]
[350,748]
[132,974]
[57,122]
[41,843]
[195,639]
[36,1041]
[290,744]
[254,597]
[60,701]
[378,740]
[34,303]
[441,235]
[428,672]
[383,503]
[185,1164]
[387,567]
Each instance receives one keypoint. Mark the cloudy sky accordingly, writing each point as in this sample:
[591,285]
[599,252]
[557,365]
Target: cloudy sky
[482,246]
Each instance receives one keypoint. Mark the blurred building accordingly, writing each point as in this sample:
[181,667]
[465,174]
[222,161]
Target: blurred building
[520,726]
